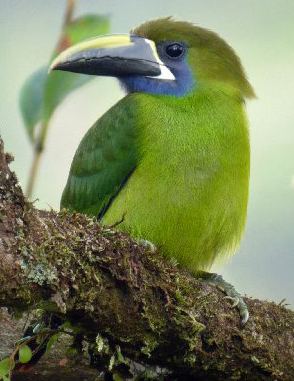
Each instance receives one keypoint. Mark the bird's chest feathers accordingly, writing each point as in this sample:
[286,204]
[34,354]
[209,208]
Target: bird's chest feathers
[191,179]
[185,148]
[193,161]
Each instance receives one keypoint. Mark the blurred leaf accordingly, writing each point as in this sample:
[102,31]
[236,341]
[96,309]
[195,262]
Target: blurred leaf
[67,325]
[31,99]
[81,29]
[25,354]
[22,340]
[52,341]
[5,366]
[58,86]
[42,93]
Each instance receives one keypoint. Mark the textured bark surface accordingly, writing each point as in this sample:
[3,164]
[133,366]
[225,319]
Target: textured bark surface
[132,305]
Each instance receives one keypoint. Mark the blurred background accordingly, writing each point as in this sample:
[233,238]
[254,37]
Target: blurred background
[261,32]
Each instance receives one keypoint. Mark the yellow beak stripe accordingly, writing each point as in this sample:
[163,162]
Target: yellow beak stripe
[107,41]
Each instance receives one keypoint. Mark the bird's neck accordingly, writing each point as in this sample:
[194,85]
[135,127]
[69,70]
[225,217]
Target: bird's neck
[211,120]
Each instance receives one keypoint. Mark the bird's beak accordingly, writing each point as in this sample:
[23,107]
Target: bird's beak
[114,55]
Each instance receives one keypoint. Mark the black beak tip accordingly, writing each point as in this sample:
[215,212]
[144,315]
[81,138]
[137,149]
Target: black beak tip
[110,66]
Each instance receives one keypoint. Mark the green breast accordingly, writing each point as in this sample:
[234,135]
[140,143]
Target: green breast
[188,194]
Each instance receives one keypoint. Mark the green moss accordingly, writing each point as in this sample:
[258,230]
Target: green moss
[149,345]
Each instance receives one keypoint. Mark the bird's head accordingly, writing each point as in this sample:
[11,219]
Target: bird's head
[161,56]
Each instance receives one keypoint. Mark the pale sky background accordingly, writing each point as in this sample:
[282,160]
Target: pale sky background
[261,32]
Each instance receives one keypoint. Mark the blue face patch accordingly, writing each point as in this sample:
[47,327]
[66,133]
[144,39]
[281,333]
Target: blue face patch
[174,55]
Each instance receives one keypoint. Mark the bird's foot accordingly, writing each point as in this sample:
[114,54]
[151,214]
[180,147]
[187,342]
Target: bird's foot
[146,243]
[230,291]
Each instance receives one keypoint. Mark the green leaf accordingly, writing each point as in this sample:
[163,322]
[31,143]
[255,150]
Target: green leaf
[58,86]
[52,341]
[116,377]
[81,29]
[25,354]
[5,366]
[22,340]
[42,93]
[31,99]
[38,327]
[68,326]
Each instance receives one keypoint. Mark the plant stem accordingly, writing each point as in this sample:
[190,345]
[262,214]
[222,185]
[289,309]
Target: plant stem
[39,149]
[69,12]
[40,143]
[33,173]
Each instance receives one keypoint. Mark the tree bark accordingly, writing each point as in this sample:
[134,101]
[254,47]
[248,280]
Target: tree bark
[133,306]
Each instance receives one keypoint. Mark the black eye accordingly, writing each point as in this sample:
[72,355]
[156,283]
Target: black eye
[174,50]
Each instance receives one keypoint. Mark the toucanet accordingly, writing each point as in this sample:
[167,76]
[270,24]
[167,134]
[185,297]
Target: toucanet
[171,159]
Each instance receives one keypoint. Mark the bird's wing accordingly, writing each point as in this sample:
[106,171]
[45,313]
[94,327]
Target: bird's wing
[103,162]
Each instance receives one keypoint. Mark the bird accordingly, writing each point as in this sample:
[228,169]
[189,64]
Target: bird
[170,161]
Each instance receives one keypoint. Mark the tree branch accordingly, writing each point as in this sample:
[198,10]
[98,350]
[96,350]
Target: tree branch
[130,303]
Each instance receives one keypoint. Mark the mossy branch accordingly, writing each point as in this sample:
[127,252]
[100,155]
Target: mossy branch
[130,301]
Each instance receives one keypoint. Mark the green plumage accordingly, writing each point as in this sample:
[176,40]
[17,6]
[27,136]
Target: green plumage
[176,168]
[106,156]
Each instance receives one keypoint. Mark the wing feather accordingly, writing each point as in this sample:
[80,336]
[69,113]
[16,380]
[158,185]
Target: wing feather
[103,162]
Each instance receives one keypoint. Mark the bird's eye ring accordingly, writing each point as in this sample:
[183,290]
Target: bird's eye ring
[174,50]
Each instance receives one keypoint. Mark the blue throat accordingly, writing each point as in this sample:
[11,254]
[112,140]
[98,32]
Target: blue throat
[181,86]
